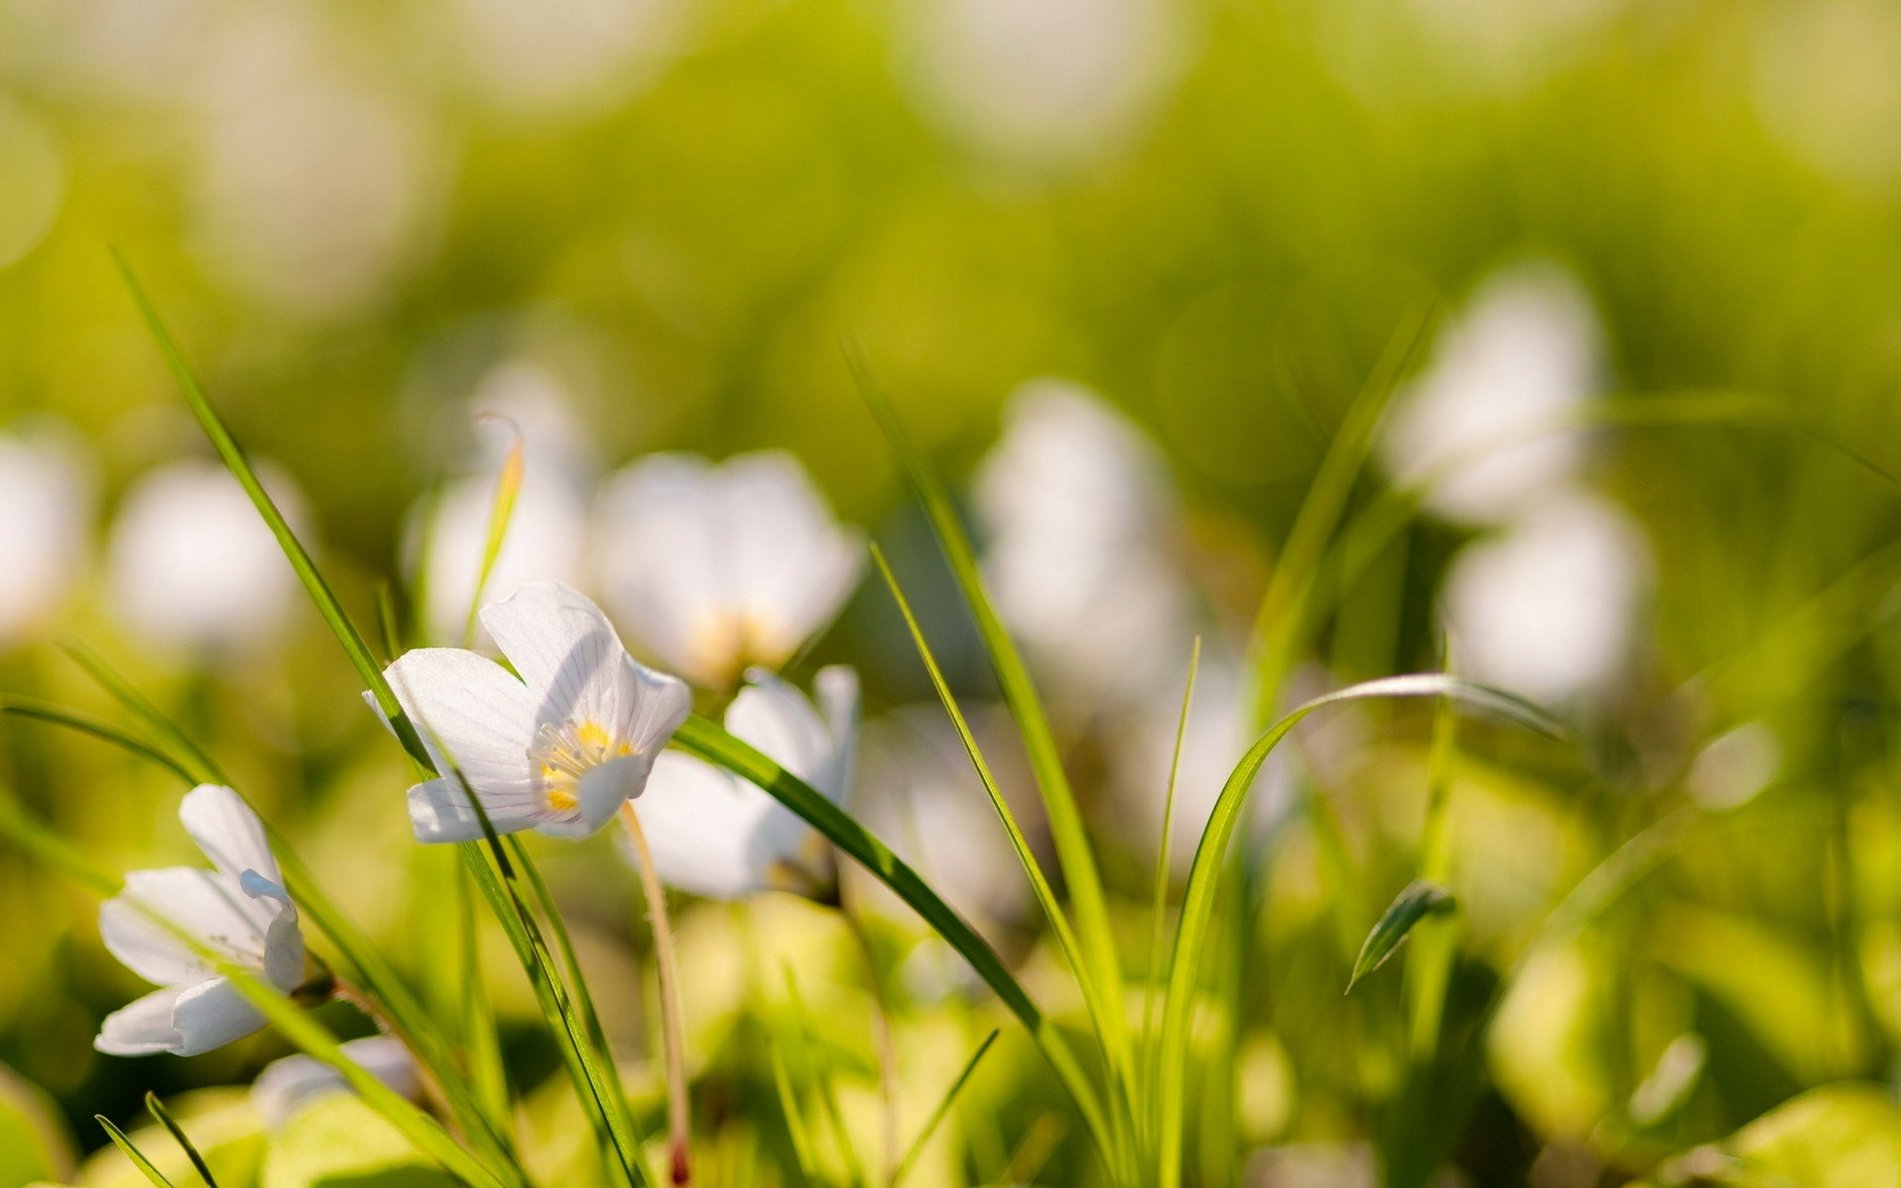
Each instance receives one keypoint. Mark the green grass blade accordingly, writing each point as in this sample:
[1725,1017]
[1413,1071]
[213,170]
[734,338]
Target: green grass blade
[132,1152]
[1158,938]
[1276,640]
[827,1087]
[21,707]
[1198,901]
[1416,902]
[705,739]
[157,1109]
[300,560]
[501,513]
[1039,883]
[204,769]
[938,1114]
[794,1114]
[50,849]
[1071,839]
[1429,971]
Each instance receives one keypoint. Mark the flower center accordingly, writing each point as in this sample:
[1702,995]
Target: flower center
[565,752]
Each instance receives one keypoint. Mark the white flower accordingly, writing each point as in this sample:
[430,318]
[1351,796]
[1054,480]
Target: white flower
[1078,514]
[238,909]
[191,564]
[714,568]
[1545,609]
[45,509]
[556,751]
[716,835]
[1526,352]
[288,1086]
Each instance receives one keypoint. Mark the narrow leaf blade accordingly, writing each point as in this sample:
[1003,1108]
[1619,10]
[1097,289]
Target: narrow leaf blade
[1416,902]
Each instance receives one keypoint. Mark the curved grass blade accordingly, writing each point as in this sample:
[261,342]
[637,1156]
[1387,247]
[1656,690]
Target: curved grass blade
[1417,901]
[157,1109]
[1073,853]
[1039,883]
[937,1115]
[202,766]
[300,560]
[1158,938]
[132,1152]
[706,740]
[73,720]
[1198,901]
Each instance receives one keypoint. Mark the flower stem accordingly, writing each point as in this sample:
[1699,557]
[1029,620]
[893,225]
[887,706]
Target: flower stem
[673,1032]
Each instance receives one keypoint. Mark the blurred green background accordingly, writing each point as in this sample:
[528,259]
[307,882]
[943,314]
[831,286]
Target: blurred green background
[1221,217]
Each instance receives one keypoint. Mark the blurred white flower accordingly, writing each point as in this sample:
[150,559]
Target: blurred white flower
[1077,511]
[922,797]
[1507,47]
[1050,83]
[716,835]
[1526,351]
[558,750]
[46,498]
[1547,607]
[563,59]
[1141,747]
[288,1086]
[717,567]
[547,533]
[190,564]
[314,184]
[239,909]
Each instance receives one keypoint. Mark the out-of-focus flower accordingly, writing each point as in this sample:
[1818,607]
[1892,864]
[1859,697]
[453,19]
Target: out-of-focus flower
[314,185]
[46,496]
[1546,608]
[557,751]
[238,909]
[1077,511]
[1526,352]
[717,567]
[191,565]
[288,1086]
[1735,767]
[921,795]
[714,834]
[1049,83]
[547,531]
[564,59]
[32,181]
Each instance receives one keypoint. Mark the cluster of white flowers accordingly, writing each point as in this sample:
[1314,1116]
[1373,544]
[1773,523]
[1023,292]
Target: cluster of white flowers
[558,741]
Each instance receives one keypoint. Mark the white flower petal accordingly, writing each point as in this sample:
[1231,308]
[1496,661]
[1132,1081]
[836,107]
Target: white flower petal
[704,828]
[202,903]
[602,790]
[289,1085]
[212,1014]
[651,705]
[792,566]
[564,648]
[142,1027]
[777,720]
[284,950]
[838,701]
[439,811]
[228,832]
[468,709]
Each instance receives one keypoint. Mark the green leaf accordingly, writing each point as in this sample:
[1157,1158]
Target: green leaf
[1071,839]
[707,740]
[157,1109]
[21,707]
[1418,901]
[299,557]
[338,1142]
[132,1152]
[1198,903]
